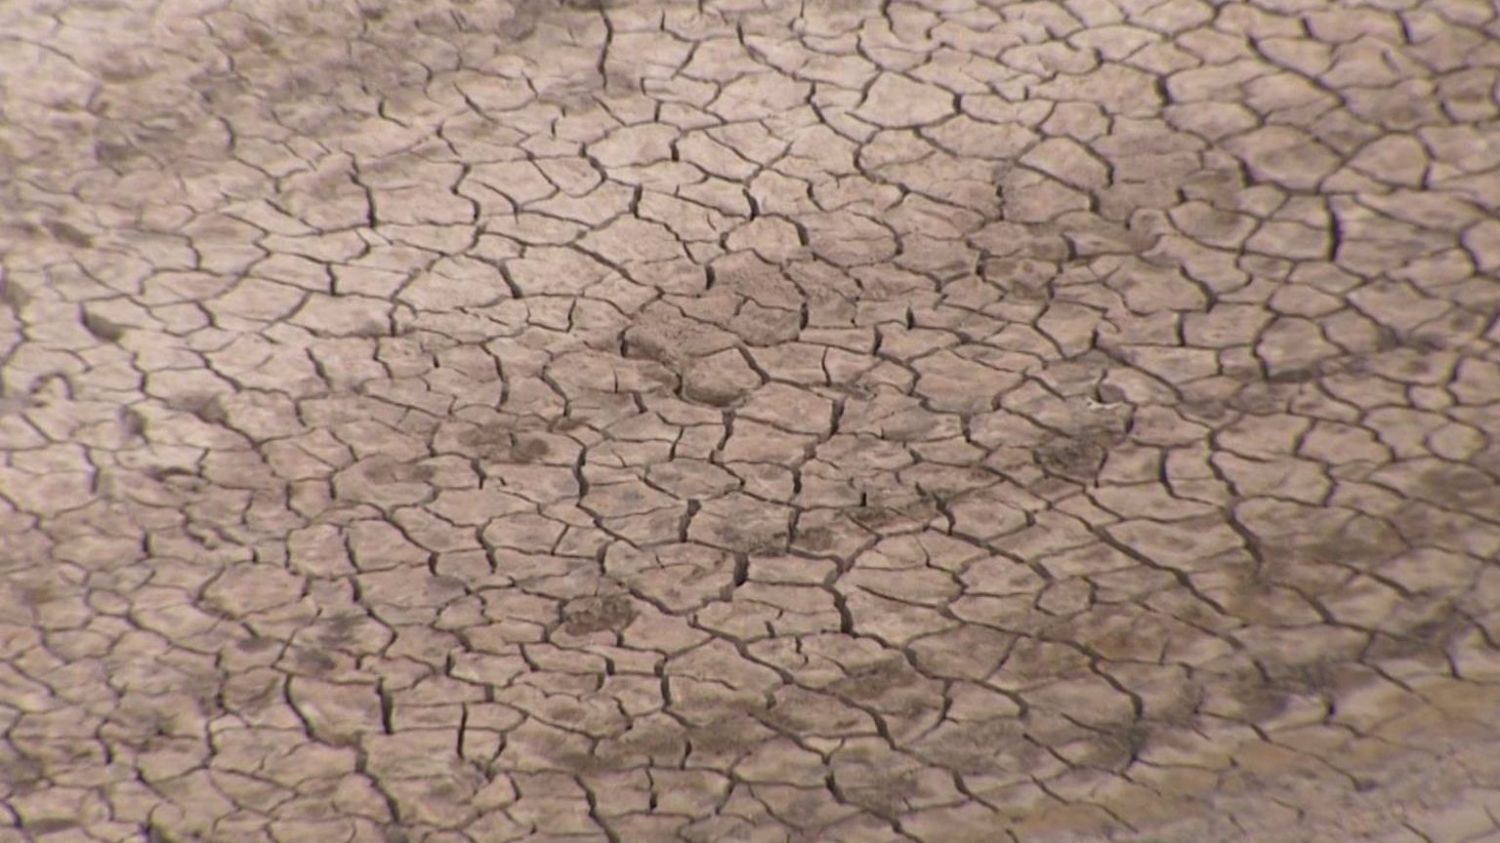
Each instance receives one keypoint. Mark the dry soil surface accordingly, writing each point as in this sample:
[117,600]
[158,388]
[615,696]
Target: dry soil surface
[749,420]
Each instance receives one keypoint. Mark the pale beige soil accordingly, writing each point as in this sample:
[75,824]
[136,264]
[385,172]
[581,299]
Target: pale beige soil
[936,420]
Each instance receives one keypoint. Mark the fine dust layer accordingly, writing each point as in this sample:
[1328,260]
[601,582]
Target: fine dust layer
[749,420]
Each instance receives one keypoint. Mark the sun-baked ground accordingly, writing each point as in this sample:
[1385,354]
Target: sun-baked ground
[714,420]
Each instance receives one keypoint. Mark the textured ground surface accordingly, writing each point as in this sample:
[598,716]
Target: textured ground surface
[734,421]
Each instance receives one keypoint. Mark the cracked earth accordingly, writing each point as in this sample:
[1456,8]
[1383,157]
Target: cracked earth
[749,420]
